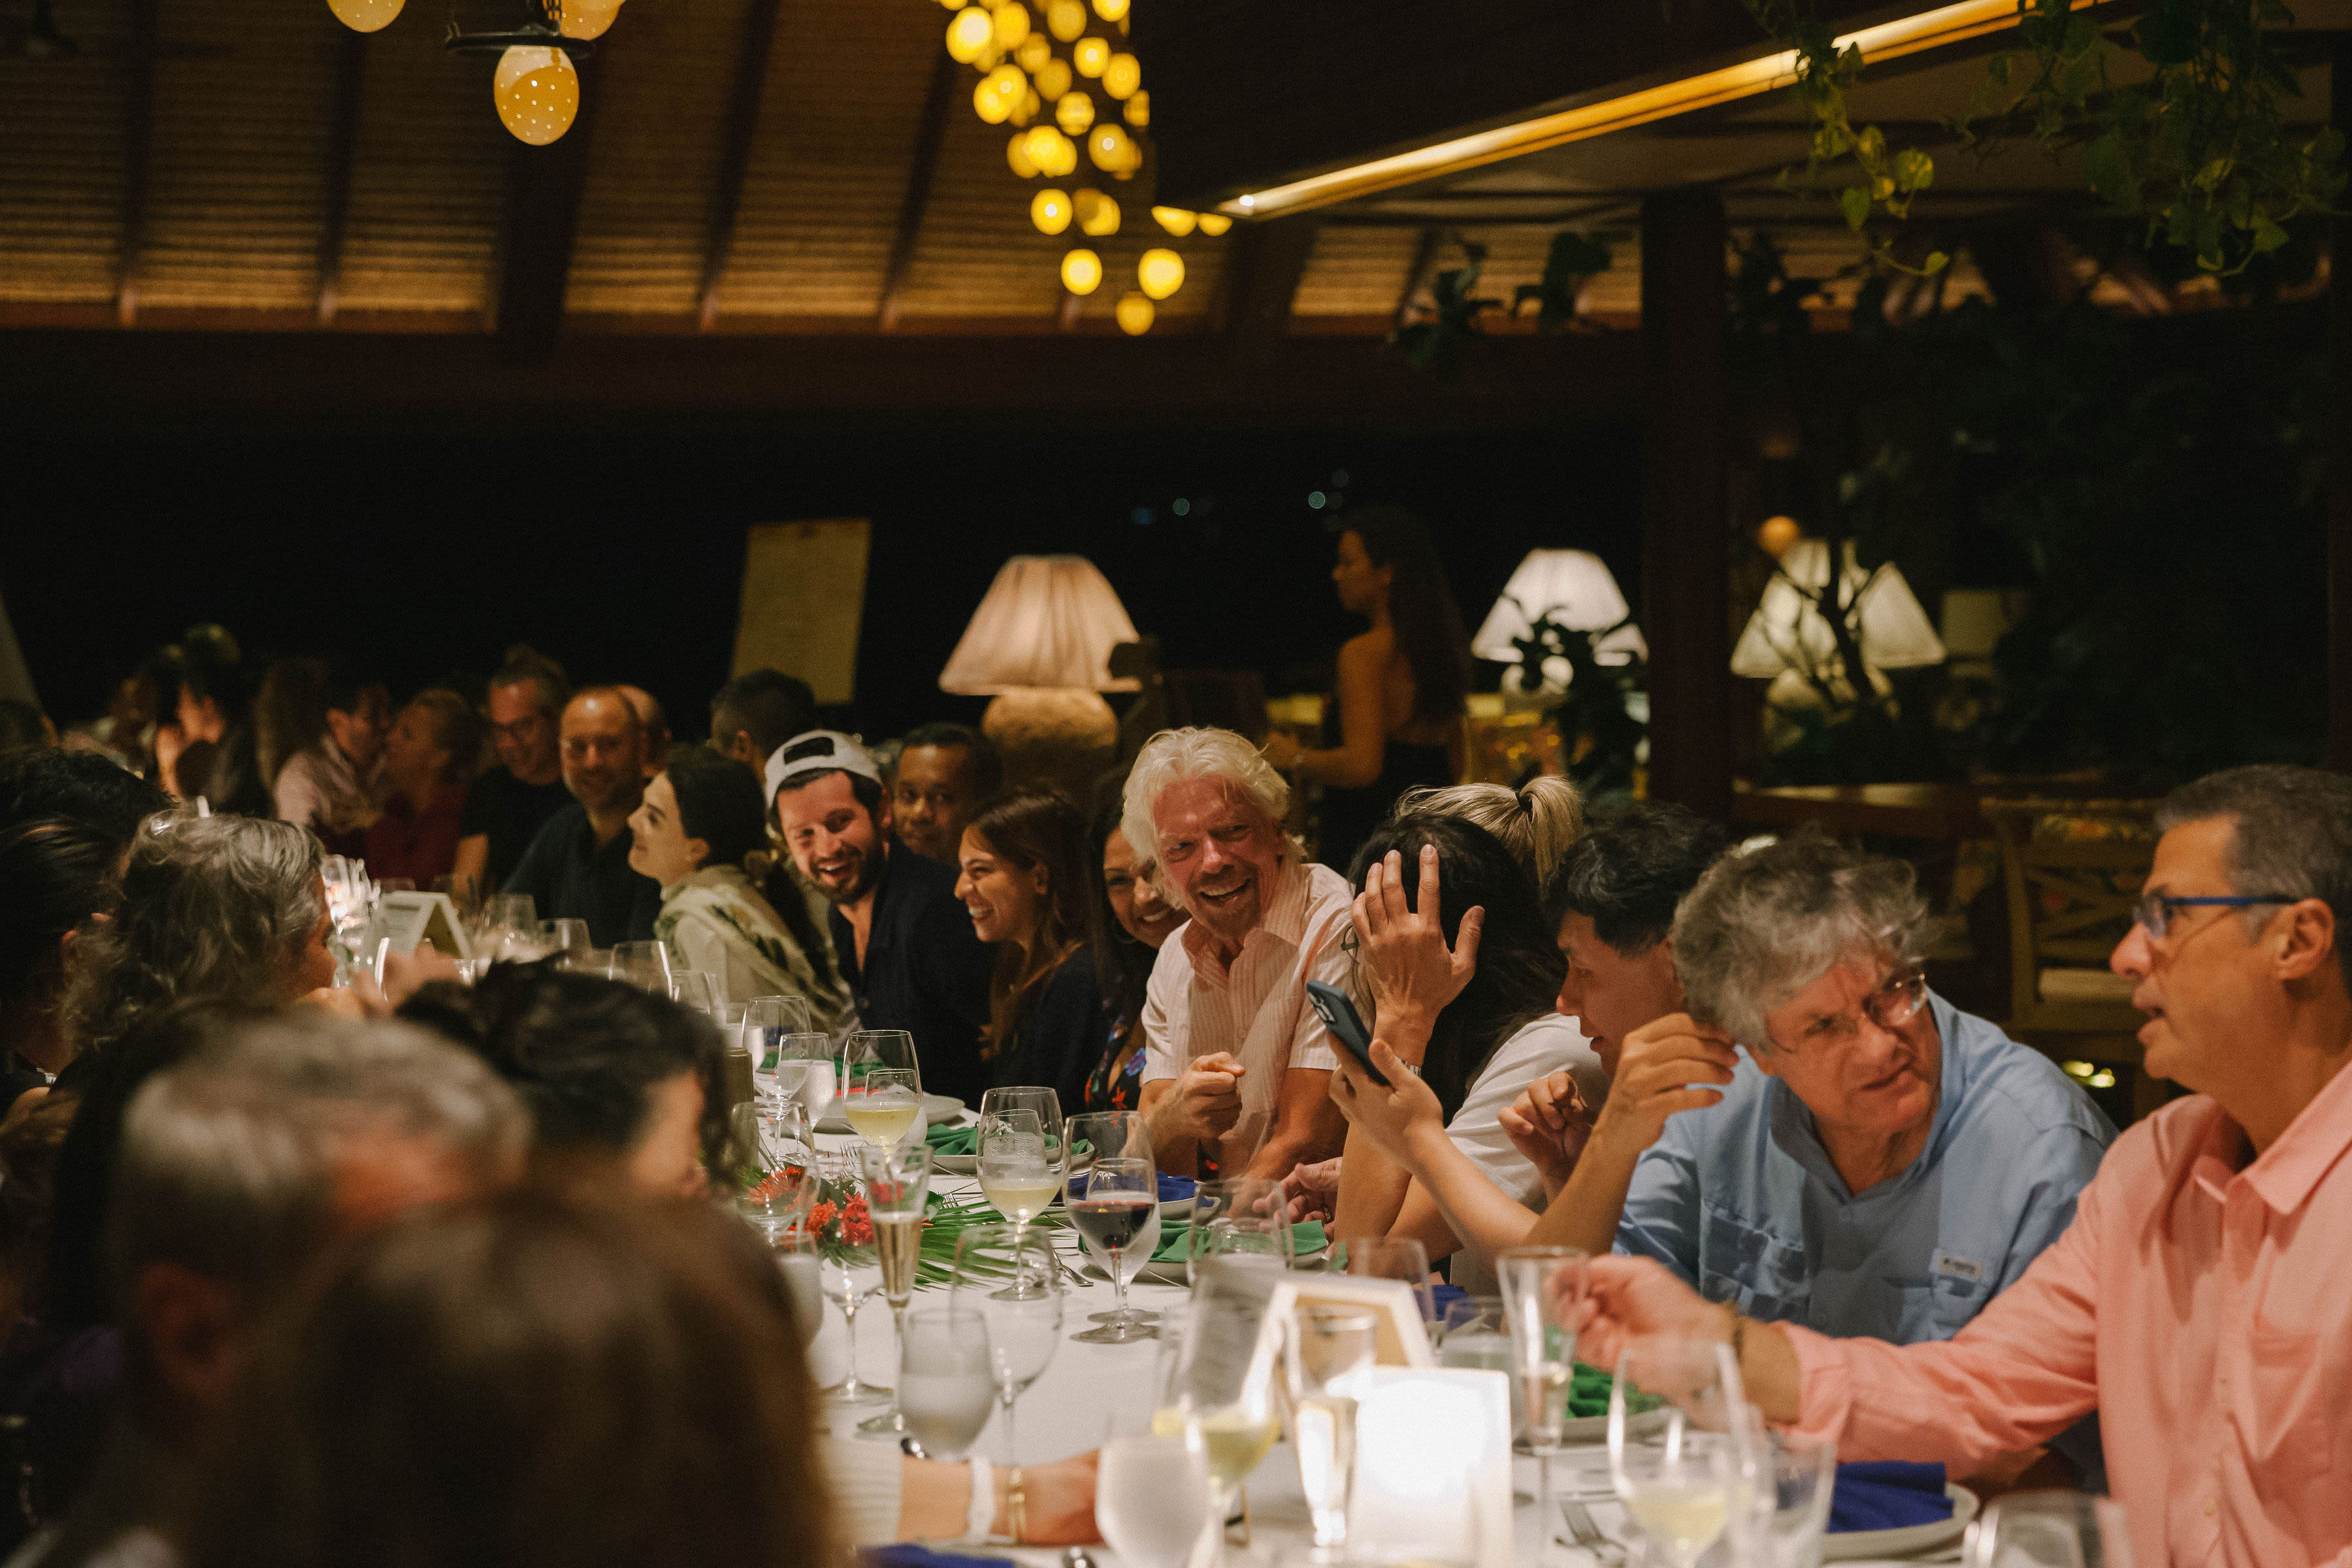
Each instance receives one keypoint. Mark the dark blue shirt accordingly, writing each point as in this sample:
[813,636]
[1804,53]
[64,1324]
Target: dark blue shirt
[569,876]
[925,972]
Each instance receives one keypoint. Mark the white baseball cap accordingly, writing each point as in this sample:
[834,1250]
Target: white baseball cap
[818,751]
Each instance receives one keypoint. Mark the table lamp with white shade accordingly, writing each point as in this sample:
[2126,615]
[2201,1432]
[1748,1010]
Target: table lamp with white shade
[1040,645]
[1790,642]
[1572,588]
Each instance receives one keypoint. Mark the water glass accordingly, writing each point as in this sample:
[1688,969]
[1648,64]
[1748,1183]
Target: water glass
[1242,1216]
[1152,1499]
[947,1379]
[1796,1476]
[767,1022]
[1477,1334]
[1025,1327]
[775,1156]
[1402,1258]
[1329,1373]
[695,988]
[465,895]
[1680,1487]
[797,1257]
[897,1186]
[1114,1204]
[644,965]
[1543,1287]
[2049,1530]
[804,1068]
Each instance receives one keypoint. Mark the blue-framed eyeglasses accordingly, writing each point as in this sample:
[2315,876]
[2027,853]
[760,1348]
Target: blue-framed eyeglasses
[2154,912]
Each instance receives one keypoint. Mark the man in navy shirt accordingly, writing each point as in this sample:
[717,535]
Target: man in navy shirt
[577,867]
[905,940]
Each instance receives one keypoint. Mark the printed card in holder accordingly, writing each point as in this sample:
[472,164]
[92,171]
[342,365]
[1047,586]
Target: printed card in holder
[1434,1466]
[409,919]
[1400,1338]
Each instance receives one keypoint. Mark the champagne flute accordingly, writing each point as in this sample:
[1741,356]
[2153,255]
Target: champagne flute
[1025,1327]
[2049,1530]
[884,1106]
[897,1183]
[1682,1490]
[775,1153]
[1153,1498]
[849,1274]
[1329,1375]
[1543,1289]
[947,1379]
[1114,1204]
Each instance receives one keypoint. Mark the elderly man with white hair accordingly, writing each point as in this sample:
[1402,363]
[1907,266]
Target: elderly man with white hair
[1238,1069]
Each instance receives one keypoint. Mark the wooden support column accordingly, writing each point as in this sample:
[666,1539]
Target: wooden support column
[1262,274]
[342,146]
[735,154]
[544,187]
[2340,469]
[138,153]
[928,136]
[1685,572]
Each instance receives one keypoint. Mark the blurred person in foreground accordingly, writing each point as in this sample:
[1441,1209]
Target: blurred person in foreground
[1237,1080]
[758,711]
[81,786]
[24,724]
[2202,1299]
[944,777]
[1135,919]
[428,763]
[329,786]
[1025,879]
[905,944]
[577,867]
[506,807]
[60,876]
[701,818]
[239,1166]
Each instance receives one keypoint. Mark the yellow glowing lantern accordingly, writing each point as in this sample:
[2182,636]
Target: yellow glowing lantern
[1098,213]
[1008,82]
[375,16]
[1111,10]
[1175,220]
[1053,78]
[1134,313]
[1160,272]
[1088,56]
[1026,109]
[1122,75]
[1049,209]
[990,105]
[1035,51]
[1073,111]
[587,18]
[537,92]
[1113,150]
[953,4]
[1138,109]
[1081,271]
[1053,153]
[1214,224]
[1016,156]
[1012,24]
[1778,535]
[1065,19]
[969,34]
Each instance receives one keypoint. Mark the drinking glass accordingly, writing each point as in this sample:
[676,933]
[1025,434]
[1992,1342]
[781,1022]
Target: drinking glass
[1476,1333]
[1542,1290]
[897,1181]
[798,1259]
[775,1155]
[1152,1499]
[804,1068]
[1024,1327]
[849,1274]
[947,1379]
[884,1106]
[1795,1478]
[767,1022]
[1115,1132]
[1045,1105]
[869,1048]
[644,965]
[694,988]
[1381,1257]
[1018,1170]
[1208,1390]
[2049,1530]
[564,936]
[1330,1371]
[465,895]
[1242,1216]
[1114,1204]
[595,961]
[1681,1488]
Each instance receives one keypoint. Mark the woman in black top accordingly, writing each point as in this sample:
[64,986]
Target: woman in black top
[1135,919]
[1023,876]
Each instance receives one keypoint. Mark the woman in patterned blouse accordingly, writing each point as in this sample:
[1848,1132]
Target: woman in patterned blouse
[1138,920]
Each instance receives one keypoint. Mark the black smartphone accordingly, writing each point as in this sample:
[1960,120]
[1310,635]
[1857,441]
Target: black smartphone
[1339,1014]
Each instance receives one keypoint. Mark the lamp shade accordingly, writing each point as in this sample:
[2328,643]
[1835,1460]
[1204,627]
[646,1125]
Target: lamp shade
[1574,587]
[1892,629]
[1047,620]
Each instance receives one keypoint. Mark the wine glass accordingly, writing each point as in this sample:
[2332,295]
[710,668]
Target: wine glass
[1025,1327]
[1795,1478]
[947,1379]
[1121,1132]
[884,1106]
[1398,1258]
[1210,1391]
[805,1067]
[1114,1204]
[1016,1165]
[775,1155]
[849,1274]
[767,1022]
[1152,1497]
[1543,1289]
[695,988]
[2049,1530]
[465,895]
[1681,1488]
[1046,1106]
[869,1048]
[644,965]
[1329,1373]
[562,937]
[897,1183]
[1243,1216]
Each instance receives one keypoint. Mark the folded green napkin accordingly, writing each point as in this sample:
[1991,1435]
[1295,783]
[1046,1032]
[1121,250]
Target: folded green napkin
[1306,1237]
[1587,1394]
[954,1140]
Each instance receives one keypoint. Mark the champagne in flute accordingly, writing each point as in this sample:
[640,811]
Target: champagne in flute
[897,1186]
[1541,1289]
[897,1240]
[1330,1371]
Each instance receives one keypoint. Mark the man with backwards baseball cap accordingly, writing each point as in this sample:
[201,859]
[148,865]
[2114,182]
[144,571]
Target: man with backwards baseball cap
[904,940]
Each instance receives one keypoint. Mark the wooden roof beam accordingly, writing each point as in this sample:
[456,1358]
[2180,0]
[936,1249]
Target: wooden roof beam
[342,146]
[138,153]
[929,134]
[735,153]
[544,187]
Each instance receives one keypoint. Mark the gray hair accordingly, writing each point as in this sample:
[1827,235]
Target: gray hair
[228,1159]
[1536,821]
[219,907]
[2293,837]
[1171,757]
[1763,924]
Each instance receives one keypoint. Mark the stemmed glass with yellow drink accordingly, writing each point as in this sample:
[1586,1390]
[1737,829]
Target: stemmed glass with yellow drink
[881,1087]
[1211,1389]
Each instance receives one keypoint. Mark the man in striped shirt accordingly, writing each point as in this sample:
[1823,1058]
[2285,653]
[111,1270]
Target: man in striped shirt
[1238,1066]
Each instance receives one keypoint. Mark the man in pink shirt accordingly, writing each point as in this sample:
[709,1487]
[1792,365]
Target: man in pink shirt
[2201,1301]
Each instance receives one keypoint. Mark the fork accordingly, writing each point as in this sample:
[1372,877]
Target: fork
[1588,1534]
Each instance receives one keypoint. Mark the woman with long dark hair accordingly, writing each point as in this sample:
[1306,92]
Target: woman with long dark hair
[1135,919]
[1400,684]
[1022,877]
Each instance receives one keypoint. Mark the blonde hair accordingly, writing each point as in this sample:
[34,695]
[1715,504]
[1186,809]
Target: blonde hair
[1535,823]
[1171,757]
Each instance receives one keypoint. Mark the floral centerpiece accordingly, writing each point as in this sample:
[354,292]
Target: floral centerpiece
[837,1221]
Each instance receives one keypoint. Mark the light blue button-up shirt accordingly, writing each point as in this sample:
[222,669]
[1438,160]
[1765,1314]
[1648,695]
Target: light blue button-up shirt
[1741,1200]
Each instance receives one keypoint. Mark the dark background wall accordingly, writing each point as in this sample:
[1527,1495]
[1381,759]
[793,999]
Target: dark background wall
[617,544]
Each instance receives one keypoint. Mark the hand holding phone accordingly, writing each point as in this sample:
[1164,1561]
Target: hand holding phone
[1337,1011]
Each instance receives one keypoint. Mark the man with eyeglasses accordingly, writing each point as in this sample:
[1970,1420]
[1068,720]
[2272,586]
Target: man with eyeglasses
[2201,1300]
[507,806]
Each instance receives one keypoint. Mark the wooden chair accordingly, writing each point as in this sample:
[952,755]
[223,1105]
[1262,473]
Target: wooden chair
[2072,870]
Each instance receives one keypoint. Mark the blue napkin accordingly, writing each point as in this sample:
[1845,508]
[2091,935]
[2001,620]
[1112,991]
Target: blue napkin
[906,1555]
[1887,1494]
[1174,1187]
[1443,1296]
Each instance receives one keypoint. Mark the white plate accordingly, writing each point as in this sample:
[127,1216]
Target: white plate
[937,1107]
[1854,1545]
[957,1164]
[1176,1271]
[1595,1428]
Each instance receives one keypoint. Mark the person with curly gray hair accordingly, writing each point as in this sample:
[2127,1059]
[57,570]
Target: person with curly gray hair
[1882,1162]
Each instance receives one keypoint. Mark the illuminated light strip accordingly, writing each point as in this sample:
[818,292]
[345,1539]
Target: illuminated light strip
[1887,41]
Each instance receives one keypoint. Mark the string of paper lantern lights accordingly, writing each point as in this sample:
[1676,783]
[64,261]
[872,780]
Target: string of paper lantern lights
[535,87]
